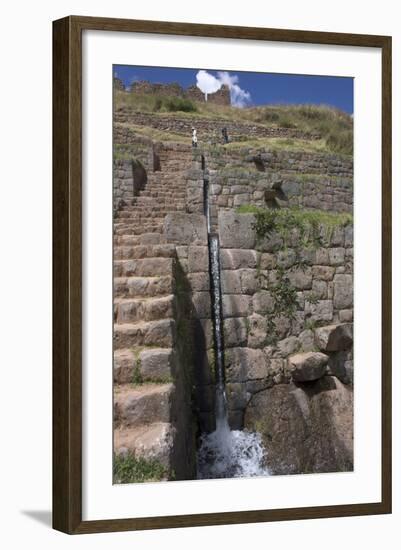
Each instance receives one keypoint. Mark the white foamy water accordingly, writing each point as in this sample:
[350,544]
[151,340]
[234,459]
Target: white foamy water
[227,453]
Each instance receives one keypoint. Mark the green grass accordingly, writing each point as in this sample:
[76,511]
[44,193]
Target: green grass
[154,103]
[130,469]
[334,126]
[157,135]
[308,223]
[284,144]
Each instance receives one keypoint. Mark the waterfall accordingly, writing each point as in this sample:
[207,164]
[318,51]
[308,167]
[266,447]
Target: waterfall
[221,400]
[224,453]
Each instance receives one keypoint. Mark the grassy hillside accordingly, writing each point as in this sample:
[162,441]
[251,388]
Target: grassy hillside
[334,126]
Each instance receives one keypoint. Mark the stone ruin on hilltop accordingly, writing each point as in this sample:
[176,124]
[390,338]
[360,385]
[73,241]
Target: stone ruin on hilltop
[221,97]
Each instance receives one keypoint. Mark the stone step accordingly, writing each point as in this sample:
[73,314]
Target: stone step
[147,364]
[139,213]
[133,310]
[123,252]
[125,287]
[146,267]
[152,333]
[142,404]
[141,218]
[152,442]
[137,229]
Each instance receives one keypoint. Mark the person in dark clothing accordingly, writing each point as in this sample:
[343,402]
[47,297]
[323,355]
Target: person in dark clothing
[225,135]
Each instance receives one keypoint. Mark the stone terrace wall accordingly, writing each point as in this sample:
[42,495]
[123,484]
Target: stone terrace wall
[324,293]
[286,178]
[206,128]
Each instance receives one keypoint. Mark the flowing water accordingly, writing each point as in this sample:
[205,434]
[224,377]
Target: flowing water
[224,452]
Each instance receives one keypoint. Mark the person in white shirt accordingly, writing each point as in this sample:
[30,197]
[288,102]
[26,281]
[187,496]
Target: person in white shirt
[194,138]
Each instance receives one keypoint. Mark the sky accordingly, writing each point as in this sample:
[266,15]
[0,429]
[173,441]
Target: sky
[249,88]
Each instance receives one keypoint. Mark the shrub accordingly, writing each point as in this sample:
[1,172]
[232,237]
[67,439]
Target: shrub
[180,104]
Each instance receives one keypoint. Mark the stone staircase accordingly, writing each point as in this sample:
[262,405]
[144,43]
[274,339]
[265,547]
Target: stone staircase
[145,359]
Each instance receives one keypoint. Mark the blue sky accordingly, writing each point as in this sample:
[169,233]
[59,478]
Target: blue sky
[264,88]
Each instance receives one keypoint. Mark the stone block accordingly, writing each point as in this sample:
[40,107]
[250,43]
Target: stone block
[257,331]
[249,281]
[323,273]
[307,340]
[235,332]
[145,404]
[238,258]
[349,236]
[334,337]
[343,291]
[236,305]
[230,282]
[236,230]
[244,364]
[337,366]
[198,259]
[337,237]
[182,228]
[286,258]
[199,281]
[346,315]
[262,302]
[156,364]
[319,289]
[321,311]
[336,256]
[301,279]
[322,256]
[305,367]
[194,199]
[237,396]
[288,346]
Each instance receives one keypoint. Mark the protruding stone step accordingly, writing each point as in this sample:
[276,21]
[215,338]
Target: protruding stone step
[147,267]
[152,442]
[144,404]
[125,287]
[153,333]
[125,252]
[133,310]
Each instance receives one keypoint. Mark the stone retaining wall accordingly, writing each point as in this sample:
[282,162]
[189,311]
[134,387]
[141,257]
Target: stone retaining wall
[324,294]
[207,128]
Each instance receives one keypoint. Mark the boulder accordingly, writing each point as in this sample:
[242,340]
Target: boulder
[304,430]
[308,366]
[334,337]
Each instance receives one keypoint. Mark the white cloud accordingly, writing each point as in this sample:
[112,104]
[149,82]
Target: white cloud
[209,84]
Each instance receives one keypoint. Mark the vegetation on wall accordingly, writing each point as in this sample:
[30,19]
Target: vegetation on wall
[311,229]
